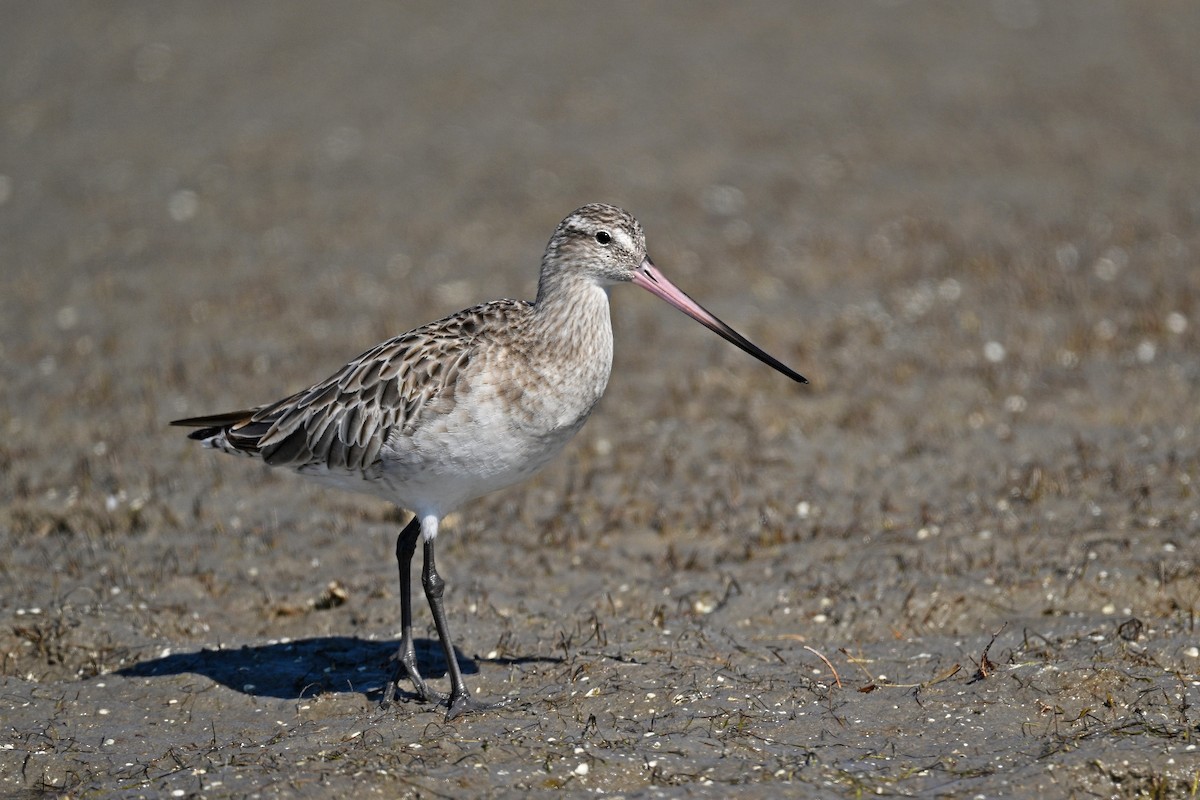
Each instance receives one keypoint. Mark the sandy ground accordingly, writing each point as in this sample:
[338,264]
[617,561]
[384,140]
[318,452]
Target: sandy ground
[973,226]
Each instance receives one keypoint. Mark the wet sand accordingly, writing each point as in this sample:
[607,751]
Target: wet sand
[963,562]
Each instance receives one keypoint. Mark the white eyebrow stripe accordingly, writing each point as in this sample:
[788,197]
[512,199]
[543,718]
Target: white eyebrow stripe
[623,239]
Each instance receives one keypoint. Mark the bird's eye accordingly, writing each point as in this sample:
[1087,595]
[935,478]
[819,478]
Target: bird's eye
[604,237]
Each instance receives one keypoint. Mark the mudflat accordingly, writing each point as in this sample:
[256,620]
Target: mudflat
[963,562]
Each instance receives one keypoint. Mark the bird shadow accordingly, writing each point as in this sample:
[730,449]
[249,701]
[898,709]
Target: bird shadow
[309,667]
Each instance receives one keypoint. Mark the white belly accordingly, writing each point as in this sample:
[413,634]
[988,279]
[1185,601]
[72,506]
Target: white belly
[486,438]
[507,416]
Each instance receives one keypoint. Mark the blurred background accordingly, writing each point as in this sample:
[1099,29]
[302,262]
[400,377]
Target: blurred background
[972,225]
[244,180]
[237,196]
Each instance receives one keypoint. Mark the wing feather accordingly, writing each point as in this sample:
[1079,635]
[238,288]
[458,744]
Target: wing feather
[343,422]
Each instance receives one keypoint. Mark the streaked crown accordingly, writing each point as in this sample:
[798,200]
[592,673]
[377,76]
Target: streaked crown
[602,242]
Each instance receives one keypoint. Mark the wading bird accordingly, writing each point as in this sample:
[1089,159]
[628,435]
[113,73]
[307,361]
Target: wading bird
[466,405]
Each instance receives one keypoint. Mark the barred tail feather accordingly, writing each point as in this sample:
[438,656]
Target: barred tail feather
[215,430]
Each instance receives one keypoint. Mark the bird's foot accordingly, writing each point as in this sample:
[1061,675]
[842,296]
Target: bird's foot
[466,704]
[423,692]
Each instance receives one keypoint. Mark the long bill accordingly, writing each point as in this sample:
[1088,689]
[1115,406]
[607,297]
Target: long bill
[649,278]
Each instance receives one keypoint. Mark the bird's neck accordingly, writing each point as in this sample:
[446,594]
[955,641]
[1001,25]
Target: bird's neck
[571,312]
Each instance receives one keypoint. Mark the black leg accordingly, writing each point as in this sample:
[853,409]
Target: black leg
[406,545]
[435,587]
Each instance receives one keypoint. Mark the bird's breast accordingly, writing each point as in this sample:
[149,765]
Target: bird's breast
[545,394]
[521,398]
[507,418]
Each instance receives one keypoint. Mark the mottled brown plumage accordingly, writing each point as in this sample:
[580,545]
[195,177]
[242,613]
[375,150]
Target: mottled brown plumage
[343,422]
[471,403]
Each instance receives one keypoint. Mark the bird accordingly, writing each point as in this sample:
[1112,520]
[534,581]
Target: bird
[474,402]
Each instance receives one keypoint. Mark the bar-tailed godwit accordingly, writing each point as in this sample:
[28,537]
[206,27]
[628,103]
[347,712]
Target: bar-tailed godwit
[466,405]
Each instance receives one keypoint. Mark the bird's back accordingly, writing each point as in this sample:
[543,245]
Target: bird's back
[436,416]
[344,421]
